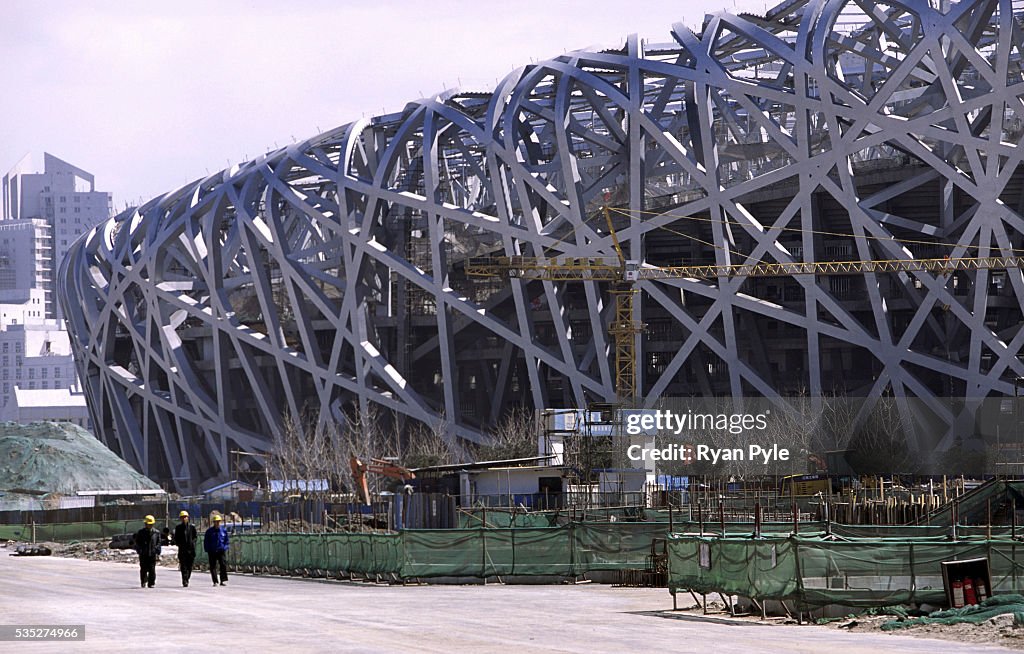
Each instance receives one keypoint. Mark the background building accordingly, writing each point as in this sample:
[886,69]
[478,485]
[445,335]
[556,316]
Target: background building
[65,197]
[43,213]
[37,357]
[26,259]
[334,273]
[54,405]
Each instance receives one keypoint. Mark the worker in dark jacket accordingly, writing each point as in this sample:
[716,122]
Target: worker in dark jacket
[185,538]
[147,544]
[215,542]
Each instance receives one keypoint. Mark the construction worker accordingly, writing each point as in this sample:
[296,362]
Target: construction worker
[147,544]
[185,538]
[215,542]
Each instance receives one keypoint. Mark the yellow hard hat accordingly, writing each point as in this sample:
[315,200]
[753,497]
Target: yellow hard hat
[149,520]
[216,518]
[183,514]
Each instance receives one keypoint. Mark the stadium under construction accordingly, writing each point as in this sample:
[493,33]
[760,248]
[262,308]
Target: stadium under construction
[818,202]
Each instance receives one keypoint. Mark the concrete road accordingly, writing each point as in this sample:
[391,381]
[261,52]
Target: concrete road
[269,614]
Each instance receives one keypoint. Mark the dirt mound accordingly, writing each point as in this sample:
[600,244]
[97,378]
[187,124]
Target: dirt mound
[52,457]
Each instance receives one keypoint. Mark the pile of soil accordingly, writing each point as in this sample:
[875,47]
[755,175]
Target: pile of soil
[60,458]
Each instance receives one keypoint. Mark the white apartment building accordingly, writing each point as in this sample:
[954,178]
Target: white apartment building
[64,196]
[34,357]
[54,405]
[23,306]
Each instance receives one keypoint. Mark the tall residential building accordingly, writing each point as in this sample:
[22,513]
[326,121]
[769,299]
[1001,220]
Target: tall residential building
[65,197]
[26,253]
[43,214]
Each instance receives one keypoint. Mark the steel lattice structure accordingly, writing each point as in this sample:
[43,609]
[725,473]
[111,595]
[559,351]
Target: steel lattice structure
[333,271]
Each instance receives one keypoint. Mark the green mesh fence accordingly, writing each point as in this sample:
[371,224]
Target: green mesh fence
[473,518]
[62,532]
[614,546]
[486,552]
[69,531]
[919,531]
[817,571]
[562,551]
[852,565]
[335,553]
[762,569]
[450,553]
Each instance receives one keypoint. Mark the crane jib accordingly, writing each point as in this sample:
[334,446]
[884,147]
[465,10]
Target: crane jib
[598,269]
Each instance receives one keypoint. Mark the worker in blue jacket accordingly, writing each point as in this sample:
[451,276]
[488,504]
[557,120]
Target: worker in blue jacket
[215,542]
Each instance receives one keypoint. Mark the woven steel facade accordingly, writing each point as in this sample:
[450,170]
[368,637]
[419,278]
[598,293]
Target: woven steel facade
[331,273]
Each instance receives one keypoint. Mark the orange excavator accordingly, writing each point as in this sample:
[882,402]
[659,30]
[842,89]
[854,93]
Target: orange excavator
[381,467]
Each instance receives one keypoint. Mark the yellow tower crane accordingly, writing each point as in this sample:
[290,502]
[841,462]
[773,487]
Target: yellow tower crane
[623,275]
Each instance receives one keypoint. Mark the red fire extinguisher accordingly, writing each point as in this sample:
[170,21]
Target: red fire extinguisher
[969,596]
[982,590]
[958,594]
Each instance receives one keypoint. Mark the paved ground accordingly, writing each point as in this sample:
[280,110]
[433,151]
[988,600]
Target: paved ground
[268,614]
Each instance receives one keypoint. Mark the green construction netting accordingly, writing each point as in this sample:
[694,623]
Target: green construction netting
[69,531]
[475,518]
[887,568]
[752,568]
[974,614]
[568,550]
[713,527]
[614,546]
[918,531]
[361,553]
[486,552]
[472,517]
[95,530]
[817,571]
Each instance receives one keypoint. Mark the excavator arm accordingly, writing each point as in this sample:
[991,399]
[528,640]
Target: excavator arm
[377,466]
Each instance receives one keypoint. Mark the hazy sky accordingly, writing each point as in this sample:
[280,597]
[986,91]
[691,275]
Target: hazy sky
[149,96]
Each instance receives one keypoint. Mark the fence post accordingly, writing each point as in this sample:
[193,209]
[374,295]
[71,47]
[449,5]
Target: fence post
[572,548]
[913,577]
[483,549]
[1013,564]
[799,578]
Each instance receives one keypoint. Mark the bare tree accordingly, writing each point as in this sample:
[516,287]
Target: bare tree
[513,437]
[309,448]
[880,441]
[301,453]
[363,436]
[838,416]
[795,426]
[430,445]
